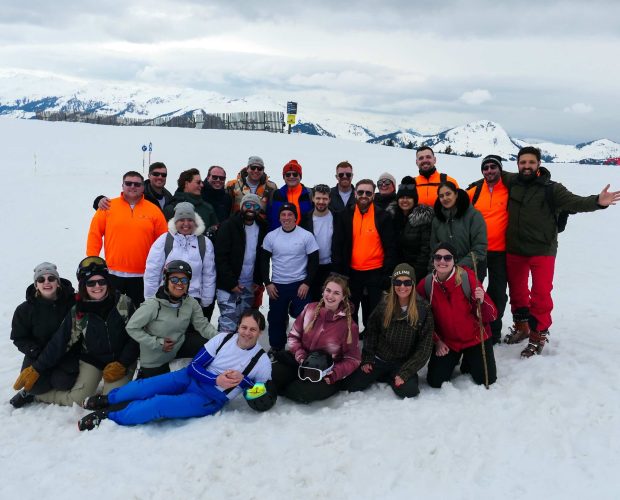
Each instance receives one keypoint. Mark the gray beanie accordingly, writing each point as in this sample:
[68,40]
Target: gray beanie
[45,268]
[256,160]
[404,270]
[184,210]
[387,175]
[252,198]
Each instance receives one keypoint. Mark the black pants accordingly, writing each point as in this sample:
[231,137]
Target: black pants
[191,345]
[496,288]
[440,368]
[287,383]
[132,287]
[366,290]
[60,378]
[382,371]
[316,289]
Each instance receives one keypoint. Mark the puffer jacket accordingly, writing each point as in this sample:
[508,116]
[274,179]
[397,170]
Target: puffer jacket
[532,229]
[186,248]
[157,319]
[413,236]
[330,334]
[463,226]
[36,320]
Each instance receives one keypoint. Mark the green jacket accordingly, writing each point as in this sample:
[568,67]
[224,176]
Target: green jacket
[202,208]
[157,319]
[532,229]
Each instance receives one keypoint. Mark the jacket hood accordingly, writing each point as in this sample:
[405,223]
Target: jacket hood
[462,204]
[200,226]
[164,299]
[419,216]
[65,292]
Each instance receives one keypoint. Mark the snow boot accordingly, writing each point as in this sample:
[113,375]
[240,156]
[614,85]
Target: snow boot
[518,332]
[536,343]
[92,420]
[22,398]
[97,402]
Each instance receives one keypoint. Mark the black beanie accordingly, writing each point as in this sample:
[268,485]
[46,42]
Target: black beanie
[288,206]
[407,188]
[494,159]
[444,245]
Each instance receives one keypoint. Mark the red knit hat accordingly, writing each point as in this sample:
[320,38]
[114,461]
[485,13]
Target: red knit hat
[292,165]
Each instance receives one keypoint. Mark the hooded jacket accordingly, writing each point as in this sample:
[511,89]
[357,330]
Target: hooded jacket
[532,229]
[413,236]
[186,248]
[157,318]
[462,226]
[330,334]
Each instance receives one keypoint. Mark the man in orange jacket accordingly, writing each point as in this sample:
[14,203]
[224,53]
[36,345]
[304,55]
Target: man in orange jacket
[490,196]
[429,179]
[128,229]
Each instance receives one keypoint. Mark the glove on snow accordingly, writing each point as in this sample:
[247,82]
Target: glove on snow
[27,378]
[114,371]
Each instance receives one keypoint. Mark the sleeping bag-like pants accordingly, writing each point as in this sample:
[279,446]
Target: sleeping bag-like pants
[171,395]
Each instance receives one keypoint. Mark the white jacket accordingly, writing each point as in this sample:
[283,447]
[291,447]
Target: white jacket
[184,248]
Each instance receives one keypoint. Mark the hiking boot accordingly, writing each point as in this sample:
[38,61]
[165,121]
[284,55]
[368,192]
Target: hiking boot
[92,420]
[22,398]
[518,332]
[536,343]
[96,402]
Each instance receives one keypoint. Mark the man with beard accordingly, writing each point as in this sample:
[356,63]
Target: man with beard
[342,194]
[364,248]
[251,179]
[320,222]
[238,276]
[489,196]
[213,192]
[532,243]
[429,179]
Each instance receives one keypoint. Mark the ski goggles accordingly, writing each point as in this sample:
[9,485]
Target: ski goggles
[250,205]
[313,374]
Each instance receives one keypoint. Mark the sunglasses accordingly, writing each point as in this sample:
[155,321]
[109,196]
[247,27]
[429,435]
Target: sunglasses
[384,182]
[256,167]
[396,282]
[291,174]
[312,374]
[408,187]
[489,166]
[93,283]
[159,174]
[342,175]
[362,192]
[447,258]
[218,177]
[50,279]
[132,184]
[176,280]
[248,205]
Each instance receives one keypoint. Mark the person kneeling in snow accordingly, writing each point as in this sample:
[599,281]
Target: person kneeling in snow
[229,364]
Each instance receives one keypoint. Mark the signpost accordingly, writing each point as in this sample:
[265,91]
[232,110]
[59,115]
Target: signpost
[291,111]
[144,148]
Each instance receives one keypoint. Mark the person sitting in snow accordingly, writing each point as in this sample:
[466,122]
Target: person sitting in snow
[229,364]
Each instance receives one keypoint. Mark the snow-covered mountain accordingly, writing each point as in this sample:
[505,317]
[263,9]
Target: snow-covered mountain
[23,94]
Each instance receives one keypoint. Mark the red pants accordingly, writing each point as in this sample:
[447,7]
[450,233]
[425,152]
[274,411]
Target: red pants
[538,300]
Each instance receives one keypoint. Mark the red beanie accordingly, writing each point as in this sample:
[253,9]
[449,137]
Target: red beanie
[292,165]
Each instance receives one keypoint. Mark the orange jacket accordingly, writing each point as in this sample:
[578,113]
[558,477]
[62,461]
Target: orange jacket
[367,251]
[427,188]
[493,207]
[127,234]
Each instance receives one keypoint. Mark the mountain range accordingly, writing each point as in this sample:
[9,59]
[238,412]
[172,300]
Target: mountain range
[23,94]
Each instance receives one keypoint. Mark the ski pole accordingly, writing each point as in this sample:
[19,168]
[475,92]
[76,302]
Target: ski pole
[479,311]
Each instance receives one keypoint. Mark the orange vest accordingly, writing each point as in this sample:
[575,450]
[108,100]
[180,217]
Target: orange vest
[292,195]
[127,234]
[427,188]
[493,207]
[367,252]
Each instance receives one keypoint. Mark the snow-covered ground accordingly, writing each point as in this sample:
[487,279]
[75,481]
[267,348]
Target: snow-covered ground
[549,428]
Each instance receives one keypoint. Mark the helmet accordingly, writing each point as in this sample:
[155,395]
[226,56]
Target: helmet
[261,397]
[316,366]
[177,266]
[91,266]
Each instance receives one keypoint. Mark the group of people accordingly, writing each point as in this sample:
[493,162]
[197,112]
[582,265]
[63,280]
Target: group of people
[411,257]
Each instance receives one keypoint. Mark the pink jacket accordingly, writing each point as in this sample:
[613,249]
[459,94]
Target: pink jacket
[328,334]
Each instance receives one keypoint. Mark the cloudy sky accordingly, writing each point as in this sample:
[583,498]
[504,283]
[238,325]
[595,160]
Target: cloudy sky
[545,70]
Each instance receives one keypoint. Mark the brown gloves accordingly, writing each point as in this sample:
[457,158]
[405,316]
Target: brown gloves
[27,378]
[113,371]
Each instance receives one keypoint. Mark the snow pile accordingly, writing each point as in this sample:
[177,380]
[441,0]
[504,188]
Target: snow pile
[549,428]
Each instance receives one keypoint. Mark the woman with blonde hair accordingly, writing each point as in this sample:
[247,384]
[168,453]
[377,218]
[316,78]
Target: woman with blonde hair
[398,340]
[322,346]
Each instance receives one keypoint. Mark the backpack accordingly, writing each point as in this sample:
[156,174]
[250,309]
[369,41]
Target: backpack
[202,246]
[465,285]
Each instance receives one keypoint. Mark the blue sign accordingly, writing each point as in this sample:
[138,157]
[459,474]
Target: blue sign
[144,148]
[150,146]
[291,108]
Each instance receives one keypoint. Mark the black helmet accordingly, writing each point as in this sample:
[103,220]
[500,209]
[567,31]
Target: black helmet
[316,366]
[177,266]
[91,266]
[261,397]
